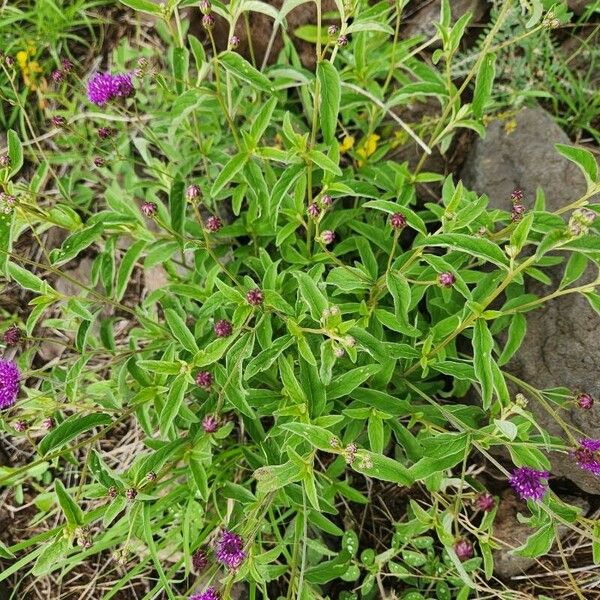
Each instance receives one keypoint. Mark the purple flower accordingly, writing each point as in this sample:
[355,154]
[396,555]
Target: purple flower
[313,210]
[204,379]
[585,401]
[58,75]
[463,549]
[20,425]
[446,279]
[4,161]
[131,494]
[192,192]
[213,224]
[208,594]
[12,336]
[210,424]
[326,200]
[234,42]
[255,297]
[208,22]
[48,423]
[332,30]
[588,455]
[223,328]
[485,502]
[58,121]
[67,65]
[528,483]
[10,378]
[516,195]
[99,161]
[230,549]
[342,41]
[199,560]
[327,237]
[105,132]
[149,208]
[397,221]
[517,212]
[103,87]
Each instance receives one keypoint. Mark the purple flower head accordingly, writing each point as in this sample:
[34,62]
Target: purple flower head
[58,75]
[58,121]
[112,492]
[199,560]
[105,132]
[208,22]
[12,336]
[326,200]
[327,237]
[10,61]
[67,65]
[585,401]
[397,221]
[122,85]
[4,161]
[208,594]
[516,195]
[192,192]
[151,476]
[313,210]
[230,549]
[234,42]
[255,297]
[463,549]
[48,423]
[446,279]
[485,502]
[342,41]
[100,88]
[99,161]
[20,425]
[10,378]
[204,379]
[223,328]
[131,494]
[213,224]
[210,424]
[588,455]
[205,7]
[332,30]
[528,483]
[149,208]
[517,212]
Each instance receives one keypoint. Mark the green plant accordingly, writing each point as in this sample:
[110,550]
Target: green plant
[313,331]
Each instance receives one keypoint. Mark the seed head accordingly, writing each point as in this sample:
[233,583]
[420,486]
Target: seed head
[255,297]
[213,224]
[10,379]
[446,279]
[223,328]
[529,483]
[230,549]
[12,336]
[463,549]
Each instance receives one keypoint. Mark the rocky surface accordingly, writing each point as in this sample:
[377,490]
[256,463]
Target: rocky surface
[561,346]
[512,534]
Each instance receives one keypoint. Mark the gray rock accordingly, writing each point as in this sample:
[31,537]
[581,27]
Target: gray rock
[561,346]
[512,534]
[523,158]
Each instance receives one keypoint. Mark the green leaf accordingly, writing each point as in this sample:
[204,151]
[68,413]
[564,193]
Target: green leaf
[173,403]
[181,63]
[584,159]
[69,429]
[479,247]
[76,243]
[268,356]
[274,477]
[381,467]
[177,207]
[262,120]
[69,507]
[229,171]
[126,267]
[143,6]
[312,295]
[5,239]
[180,331]
[242,69]
[347,382]
[324,162]
[521,232]
[483,84]
[483,343]
[51,556]
[319,437]
[15,152]
[539,543]
[516,333]
[329,80]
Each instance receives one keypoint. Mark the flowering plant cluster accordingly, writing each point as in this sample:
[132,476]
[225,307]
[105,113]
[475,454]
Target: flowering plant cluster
[262,323]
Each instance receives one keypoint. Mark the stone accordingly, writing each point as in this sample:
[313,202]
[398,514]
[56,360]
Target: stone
[513,534]
[422,20]
[519,153]
[560,348]
[578,6]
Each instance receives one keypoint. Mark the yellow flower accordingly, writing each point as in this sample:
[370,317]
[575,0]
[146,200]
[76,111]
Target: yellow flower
[367,148]
[510,126]
[347,144]
[22,58]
